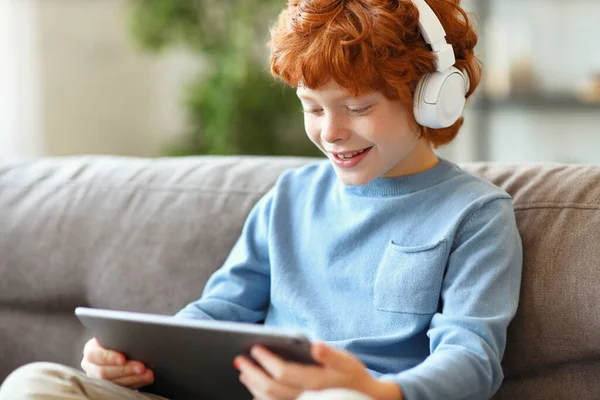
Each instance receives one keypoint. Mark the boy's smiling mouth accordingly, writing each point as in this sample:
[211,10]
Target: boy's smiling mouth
[348,159]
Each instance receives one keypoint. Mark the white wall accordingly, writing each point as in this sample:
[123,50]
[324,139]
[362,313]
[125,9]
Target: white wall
[102,94]
[87,87]
[20,107]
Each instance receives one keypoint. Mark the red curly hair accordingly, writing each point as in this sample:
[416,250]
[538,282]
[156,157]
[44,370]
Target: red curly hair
[369,45]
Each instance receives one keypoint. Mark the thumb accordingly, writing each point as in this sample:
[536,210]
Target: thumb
[335,359]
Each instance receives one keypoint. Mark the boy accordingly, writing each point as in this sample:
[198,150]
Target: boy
[407,267]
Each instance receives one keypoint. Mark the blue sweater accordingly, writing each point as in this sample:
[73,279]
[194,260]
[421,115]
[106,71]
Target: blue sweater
[417,276]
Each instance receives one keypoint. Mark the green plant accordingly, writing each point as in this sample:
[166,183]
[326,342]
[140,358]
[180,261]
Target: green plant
[234,106]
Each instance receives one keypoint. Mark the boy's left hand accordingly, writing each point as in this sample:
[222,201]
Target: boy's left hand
[282,380]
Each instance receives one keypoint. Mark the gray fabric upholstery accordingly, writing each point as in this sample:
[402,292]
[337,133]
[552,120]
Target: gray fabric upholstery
[145,234]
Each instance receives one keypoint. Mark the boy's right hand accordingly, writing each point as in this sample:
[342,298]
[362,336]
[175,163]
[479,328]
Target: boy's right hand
[99,362]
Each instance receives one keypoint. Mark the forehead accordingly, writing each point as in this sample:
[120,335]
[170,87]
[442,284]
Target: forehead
[331,91]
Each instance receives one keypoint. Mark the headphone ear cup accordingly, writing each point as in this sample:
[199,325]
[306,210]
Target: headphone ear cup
[439,98]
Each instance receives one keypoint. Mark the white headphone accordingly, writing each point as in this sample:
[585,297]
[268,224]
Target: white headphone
[440,96]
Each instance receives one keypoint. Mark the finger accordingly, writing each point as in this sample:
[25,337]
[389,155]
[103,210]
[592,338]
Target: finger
[288,373]
[244,381]
[333,358]
[261,385]
[113,372]
[136,381]
[106,357]
[90,345]
[96,354]
[269,391]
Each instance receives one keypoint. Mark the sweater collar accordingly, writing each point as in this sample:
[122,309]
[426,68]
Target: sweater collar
[382,187]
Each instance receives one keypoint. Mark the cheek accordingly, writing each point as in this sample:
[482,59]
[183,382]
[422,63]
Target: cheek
[398,133]
[312,129]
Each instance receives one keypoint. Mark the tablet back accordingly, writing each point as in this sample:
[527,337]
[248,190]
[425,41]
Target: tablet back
[190,359]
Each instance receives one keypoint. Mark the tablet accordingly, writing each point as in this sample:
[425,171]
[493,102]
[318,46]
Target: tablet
[191,359]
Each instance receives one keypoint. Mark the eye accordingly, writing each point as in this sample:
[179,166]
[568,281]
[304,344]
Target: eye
[315,111]
[359,110]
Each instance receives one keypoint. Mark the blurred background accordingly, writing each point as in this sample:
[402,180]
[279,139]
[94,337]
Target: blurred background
[175,77]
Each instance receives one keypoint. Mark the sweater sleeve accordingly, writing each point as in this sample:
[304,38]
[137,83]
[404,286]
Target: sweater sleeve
[239,290]
[479,298]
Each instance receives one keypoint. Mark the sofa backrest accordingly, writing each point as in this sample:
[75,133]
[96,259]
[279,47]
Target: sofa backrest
[145,235]
[553,347]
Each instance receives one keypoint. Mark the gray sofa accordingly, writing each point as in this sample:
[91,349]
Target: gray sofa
[145,234]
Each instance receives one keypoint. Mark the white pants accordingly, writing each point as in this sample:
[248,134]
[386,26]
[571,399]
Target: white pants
[47,381]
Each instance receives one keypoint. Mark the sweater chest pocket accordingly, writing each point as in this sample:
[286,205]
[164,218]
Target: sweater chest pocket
[409,279]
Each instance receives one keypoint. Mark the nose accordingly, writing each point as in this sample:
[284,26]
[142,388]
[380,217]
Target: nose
[334,129]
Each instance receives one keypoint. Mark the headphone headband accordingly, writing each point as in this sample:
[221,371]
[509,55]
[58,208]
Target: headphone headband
[434,34]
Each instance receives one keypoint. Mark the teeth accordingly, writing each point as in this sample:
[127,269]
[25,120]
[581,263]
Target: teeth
[350,155]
